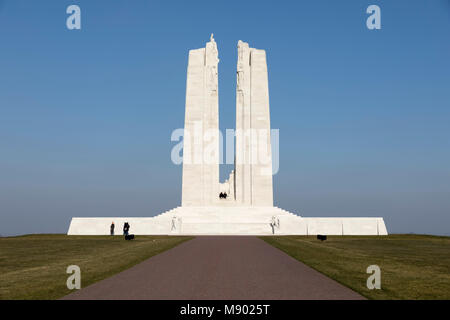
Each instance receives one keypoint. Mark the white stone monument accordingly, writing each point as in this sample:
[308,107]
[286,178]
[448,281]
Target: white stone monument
[248,208]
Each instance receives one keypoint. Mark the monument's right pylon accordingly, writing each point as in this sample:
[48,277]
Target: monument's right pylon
[253,165]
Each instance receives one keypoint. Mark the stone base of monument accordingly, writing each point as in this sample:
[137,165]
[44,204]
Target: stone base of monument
[230,221]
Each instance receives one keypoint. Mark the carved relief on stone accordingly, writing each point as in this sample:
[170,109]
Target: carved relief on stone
[212,60]
[213,78]
[240,80]
[240,65]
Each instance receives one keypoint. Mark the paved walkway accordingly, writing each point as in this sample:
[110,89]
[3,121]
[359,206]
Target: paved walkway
[218,268]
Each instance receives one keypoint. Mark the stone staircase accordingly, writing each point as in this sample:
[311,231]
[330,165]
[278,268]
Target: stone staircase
[224,219]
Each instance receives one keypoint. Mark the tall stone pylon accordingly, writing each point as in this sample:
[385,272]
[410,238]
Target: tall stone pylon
[200,183]
[253,164]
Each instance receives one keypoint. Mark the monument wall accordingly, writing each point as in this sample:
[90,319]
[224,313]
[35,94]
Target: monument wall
[248,209]
[253,165]
[200,182]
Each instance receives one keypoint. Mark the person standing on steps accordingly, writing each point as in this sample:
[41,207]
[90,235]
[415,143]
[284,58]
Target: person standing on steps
[126,228]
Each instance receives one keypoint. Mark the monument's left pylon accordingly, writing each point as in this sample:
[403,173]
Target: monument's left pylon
[200,184]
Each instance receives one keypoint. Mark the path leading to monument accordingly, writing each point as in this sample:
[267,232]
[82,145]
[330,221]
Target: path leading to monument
[218,268]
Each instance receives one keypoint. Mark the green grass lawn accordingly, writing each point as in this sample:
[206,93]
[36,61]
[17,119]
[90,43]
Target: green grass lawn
[412,266]
[34,266]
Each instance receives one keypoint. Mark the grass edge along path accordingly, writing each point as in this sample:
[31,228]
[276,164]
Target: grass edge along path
[412,266]
[34,266]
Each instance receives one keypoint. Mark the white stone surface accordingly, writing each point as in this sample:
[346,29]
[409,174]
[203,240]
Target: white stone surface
[248,209]
[253,166]
[200,185]
[232,220]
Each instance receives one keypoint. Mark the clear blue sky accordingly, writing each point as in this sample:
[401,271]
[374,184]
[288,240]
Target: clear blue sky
[86,116]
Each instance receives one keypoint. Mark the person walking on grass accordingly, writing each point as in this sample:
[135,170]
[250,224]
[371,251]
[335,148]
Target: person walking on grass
[112,228]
